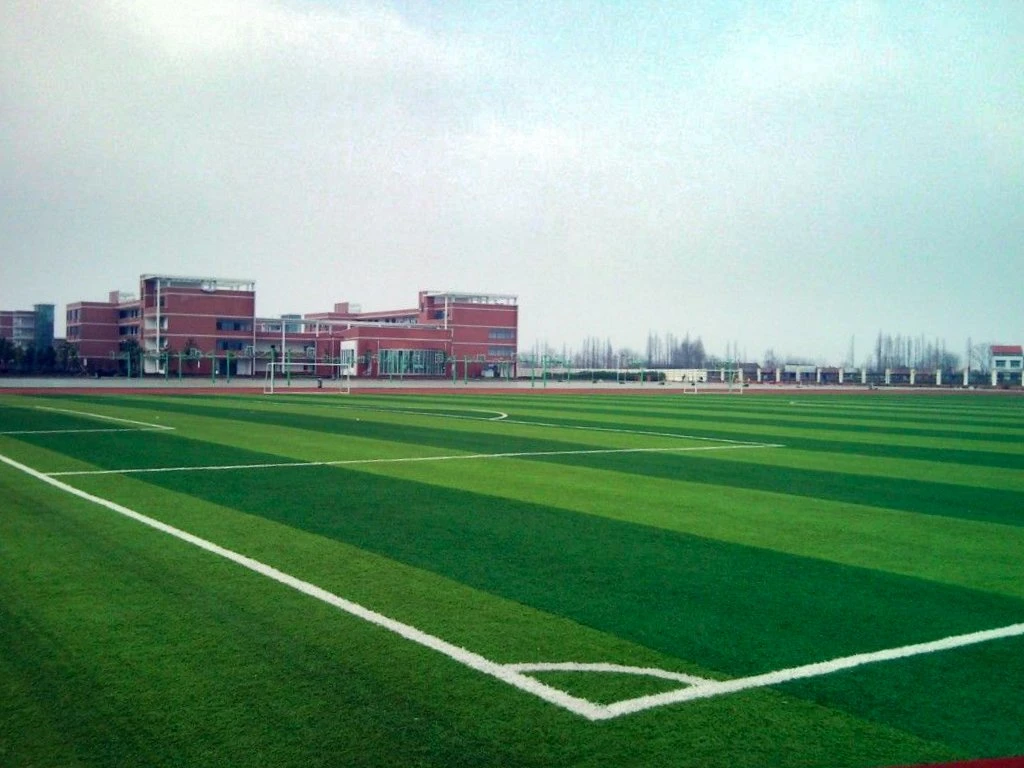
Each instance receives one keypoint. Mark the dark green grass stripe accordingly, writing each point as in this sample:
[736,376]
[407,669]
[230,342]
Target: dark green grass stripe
[683,414]
[728,607]
[930,694]
[171,449]
[920,496]
[795,418]
[734,608]
[147,450]
[914,411]
[17,419]
[473,443]
[202,667]
[346,425]
[160,655]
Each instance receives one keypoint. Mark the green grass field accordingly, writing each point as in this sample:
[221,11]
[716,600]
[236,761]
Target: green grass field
[424,580]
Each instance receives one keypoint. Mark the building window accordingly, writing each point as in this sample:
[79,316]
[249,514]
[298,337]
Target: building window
[503,352]
[411,362]
[227,324]
[497,334]
[230,345]
[1000,363]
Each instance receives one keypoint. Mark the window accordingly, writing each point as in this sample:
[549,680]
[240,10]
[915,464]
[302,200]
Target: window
[230,345]
[1000,363]
[228,324]
[1015,363]
[496,334]
[412,362]
[501,351]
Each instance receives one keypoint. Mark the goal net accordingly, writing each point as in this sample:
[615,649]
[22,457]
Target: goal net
[306,375]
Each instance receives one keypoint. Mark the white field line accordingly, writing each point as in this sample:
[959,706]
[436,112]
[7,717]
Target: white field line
[73,431]
[513,674]
[472,660]
[406,459]
[710,688]
[576,666]
[146,424]
[504,418]
[649,433]
[501,415]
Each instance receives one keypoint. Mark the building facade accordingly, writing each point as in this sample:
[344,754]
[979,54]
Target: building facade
[1007,363]
[208,326]
[27,328]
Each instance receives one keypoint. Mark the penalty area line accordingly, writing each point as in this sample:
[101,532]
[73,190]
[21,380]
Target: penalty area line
[574,704]
[517,675]
[80,431]
[406,459]
[87,414]
[707,689]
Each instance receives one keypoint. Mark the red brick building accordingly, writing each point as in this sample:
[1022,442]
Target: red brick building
[28,327]
[205,326]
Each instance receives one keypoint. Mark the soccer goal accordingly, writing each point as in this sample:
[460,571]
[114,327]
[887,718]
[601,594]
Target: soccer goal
[303,375]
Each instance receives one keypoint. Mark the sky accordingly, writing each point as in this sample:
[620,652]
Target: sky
[794,176]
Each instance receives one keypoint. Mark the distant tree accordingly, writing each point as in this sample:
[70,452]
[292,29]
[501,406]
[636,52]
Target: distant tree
[67,357]
[21,361]
[46,359]
[7,349]
[130,361]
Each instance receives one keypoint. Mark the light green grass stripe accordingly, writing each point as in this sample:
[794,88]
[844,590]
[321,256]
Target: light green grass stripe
[909,544]
[303,445]
[756,729]
[905,469]
[850,534]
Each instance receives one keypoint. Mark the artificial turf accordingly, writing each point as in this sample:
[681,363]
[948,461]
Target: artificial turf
[120,646]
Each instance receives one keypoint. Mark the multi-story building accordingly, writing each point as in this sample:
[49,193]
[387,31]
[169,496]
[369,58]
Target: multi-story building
[28,327]
[189,324]
[1007,363]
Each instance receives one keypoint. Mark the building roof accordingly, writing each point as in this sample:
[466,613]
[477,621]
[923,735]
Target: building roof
[470,297]
[206,283]
[1007,349]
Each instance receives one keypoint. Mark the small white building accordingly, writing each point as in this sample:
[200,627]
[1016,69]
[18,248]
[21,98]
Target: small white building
[1007,363]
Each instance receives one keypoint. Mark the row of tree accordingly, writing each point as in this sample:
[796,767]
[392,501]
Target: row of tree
[913,352]
[60,358]
[670,351]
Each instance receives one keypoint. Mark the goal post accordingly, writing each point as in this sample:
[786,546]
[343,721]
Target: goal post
[303,375]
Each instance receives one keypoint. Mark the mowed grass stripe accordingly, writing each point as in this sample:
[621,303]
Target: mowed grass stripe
[927,498]
[911,468]
[335,419]
[730,608]
[1007,429]
[850,534]
[174,660]
[145,652]
[22,420]
[126,451]
[633,581]
[797,410]
[583,474]
[470,436]
[934,548]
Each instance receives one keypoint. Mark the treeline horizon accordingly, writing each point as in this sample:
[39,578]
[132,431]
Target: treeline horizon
[671,351]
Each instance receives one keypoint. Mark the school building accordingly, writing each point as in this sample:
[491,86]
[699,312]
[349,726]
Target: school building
[28,327]
[209,326]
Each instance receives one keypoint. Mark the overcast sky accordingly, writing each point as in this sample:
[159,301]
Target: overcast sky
[787,175]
